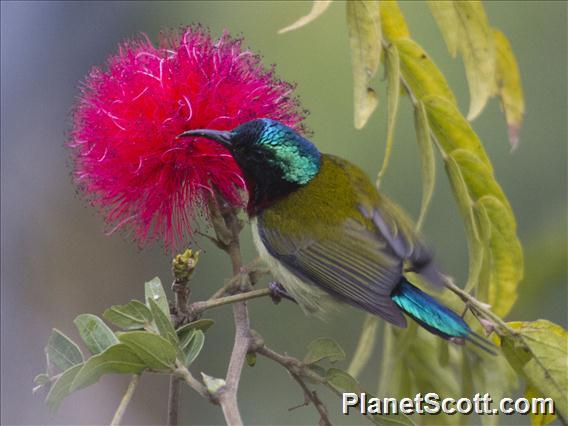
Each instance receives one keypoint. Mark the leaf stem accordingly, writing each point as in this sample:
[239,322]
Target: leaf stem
[125,400]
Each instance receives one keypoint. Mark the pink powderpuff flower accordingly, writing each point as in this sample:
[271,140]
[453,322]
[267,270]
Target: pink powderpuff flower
[127,160]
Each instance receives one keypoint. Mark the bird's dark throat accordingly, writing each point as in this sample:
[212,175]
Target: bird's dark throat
[266,184]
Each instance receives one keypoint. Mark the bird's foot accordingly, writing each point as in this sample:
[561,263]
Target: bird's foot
[278,292]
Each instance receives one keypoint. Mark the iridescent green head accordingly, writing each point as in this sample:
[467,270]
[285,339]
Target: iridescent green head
[274,158]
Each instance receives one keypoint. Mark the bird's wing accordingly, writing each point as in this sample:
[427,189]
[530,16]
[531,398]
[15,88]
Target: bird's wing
[356,266]
[397,228]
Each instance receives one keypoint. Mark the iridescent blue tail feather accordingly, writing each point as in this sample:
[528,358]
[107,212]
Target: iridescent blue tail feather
[435,317]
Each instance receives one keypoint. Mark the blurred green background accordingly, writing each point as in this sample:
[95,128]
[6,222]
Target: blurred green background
[57,262]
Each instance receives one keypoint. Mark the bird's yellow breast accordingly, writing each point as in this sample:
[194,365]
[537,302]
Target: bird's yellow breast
[331,197]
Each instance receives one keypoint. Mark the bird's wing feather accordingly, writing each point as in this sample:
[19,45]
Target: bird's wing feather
[394,225]
[357,266]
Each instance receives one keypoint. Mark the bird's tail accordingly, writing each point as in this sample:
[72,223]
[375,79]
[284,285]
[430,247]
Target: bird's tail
[435,317]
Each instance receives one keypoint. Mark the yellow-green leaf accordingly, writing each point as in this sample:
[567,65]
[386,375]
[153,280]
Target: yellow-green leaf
[447,19]
[365,345]
[479,195]
[504,257]
[478,53]
[393,94]
[452,130]
[540,419]
[465,205]
[426,159]
[420,73]
[509,87]
[539,351]
[363,23]
[495,376]
[392,21]
[318,7]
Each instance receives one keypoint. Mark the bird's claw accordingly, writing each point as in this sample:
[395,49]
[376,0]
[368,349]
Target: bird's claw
[278,292]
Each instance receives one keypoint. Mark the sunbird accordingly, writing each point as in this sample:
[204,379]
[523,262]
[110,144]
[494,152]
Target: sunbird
[328,236]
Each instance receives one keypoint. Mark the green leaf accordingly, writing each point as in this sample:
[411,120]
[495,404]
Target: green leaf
[365,345]
[165,328]
[201,324]
[95,333]
[447,19]
[509,87]
[162,320]
[61,388]
[342,381]
[193,347]
[154,290]
[420,73]
[133,315]
[318,7]
[119,358]
[477,50]
[539,351]
[393,94]
[393,24]
[212,384]
[156,352]
[364,26]
[426,158]
[41,379]
[324,348]
[61,351]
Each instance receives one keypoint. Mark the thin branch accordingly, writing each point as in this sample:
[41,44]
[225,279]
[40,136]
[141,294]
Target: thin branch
[479,308]
[174,400]
[183,267]
[199,307]
[227,396]
[182,372]
[125,400]
[293,365]
[314,399]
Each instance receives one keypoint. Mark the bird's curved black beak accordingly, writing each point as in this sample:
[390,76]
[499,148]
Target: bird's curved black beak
[221,136]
